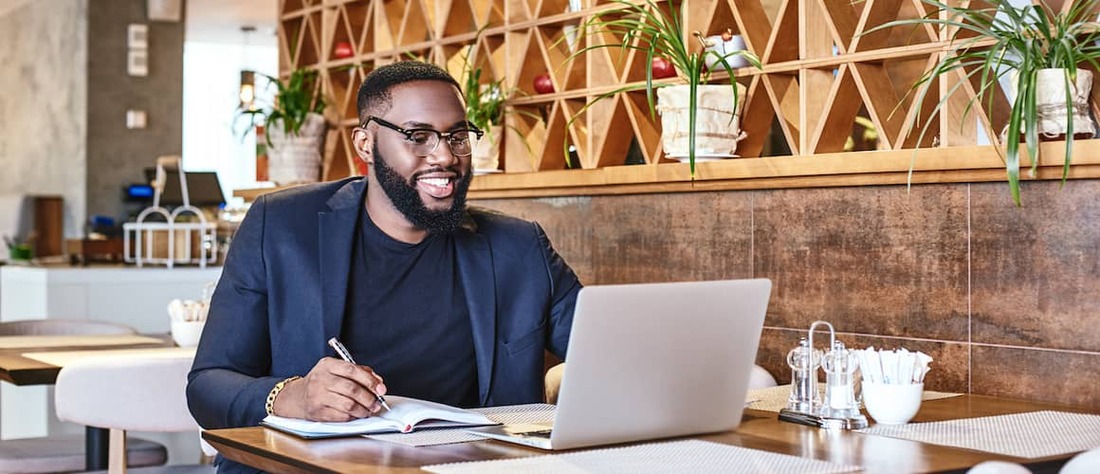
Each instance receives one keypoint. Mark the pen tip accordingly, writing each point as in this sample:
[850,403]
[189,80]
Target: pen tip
[385,405]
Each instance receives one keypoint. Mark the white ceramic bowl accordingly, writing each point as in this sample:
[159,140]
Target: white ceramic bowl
[892,404]
[187,333]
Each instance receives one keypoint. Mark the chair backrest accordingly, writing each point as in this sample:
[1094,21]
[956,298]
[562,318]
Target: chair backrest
[62,327]
[998,467]
[126,393]
[1087,462]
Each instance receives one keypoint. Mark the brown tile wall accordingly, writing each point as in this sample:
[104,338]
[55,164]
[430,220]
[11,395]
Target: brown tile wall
[1005,299]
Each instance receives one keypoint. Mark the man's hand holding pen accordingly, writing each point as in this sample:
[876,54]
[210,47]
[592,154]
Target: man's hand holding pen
[333,390]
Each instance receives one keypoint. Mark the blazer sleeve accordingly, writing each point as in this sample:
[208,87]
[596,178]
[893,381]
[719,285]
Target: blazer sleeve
[229,382]
[564,287]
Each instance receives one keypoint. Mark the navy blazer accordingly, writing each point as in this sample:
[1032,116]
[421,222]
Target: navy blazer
[283,291]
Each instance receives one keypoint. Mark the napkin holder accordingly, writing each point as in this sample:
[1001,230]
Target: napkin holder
[840,408]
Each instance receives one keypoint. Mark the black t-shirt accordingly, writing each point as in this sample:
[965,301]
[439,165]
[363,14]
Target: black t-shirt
[407,317]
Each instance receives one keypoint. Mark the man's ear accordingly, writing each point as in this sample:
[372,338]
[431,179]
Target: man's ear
[363,143]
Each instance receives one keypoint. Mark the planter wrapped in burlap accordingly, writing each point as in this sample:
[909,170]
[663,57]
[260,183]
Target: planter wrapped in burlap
[295,159]
[486,154]
[717,122]
[1050,104]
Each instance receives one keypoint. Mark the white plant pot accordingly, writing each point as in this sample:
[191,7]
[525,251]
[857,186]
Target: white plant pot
[1050,103]
[725,49]
[717,120]
[486,154]
[294,159]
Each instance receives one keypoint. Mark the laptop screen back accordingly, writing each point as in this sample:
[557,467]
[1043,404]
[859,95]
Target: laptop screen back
[658,360]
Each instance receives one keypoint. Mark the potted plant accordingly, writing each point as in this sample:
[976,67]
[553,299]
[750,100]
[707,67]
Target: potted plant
[646,26]
[1039,49]
[485,110]
[294,128]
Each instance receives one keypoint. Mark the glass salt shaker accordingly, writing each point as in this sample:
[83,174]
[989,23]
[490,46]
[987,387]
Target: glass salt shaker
[840,366]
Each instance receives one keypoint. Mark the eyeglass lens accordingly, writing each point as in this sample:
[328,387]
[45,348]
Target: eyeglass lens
[424,142]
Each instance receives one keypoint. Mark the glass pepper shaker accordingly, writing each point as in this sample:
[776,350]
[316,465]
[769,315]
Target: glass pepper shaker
[804,361]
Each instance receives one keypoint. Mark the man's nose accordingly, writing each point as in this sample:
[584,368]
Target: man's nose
[442,156]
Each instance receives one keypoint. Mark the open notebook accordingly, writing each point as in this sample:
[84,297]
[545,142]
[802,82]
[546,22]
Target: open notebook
[406,414]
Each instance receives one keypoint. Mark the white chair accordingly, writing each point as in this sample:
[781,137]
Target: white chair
[998,467]
[1087,462]
[65,453]
[128,393]
[62,327]
[760,378]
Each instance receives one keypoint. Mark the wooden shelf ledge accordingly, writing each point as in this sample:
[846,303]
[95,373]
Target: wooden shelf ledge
[871,168]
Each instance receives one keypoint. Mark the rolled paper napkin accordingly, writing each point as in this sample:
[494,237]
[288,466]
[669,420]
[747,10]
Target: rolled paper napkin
[893,366]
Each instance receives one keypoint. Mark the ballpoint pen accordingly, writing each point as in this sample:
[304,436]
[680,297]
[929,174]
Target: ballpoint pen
[344,354]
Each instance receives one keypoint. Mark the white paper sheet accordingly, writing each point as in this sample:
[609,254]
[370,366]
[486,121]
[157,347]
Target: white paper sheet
[1025,435]
[509,415]
[657,458]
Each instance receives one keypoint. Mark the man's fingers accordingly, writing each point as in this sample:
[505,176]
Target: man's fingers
[362,375]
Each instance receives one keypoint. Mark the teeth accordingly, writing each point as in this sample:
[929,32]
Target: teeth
[440,182]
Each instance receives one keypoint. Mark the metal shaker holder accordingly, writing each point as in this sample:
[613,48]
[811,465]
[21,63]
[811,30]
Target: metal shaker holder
[839,408]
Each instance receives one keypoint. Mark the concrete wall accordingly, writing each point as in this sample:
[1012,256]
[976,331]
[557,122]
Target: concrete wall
[43,111]
[1004,298]
[116,155]
[62,124]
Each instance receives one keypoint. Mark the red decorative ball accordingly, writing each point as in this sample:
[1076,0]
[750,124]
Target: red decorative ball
[343,50]
[662,68]
[543,84]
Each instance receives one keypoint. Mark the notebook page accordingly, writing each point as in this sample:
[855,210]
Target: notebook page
[508,415]
[406,414]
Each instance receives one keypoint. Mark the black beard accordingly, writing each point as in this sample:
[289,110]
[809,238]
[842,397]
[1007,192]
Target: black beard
[406,198]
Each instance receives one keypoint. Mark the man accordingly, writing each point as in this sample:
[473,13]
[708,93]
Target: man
[434,300]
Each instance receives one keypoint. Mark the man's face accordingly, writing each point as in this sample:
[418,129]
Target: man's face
[429,191]
[407,198]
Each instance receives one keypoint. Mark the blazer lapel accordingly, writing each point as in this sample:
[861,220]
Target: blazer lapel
[335,237]
[475,268]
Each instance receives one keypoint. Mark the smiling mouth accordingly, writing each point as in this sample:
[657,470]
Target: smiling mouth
[436,187]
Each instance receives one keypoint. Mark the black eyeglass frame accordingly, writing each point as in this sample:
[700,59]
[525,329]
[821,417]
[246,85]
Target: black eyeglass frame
[440,136]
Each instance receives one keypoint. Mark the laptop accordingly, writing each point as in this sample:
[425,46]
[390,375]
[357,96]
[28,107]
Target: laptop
[652,361]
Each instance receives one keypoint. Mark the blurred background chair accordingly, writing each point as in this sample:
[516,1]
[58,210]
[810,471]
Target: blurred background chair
[143,393]
[759,378]
[62,327]
[998,467]
[1087,462]
[65,453]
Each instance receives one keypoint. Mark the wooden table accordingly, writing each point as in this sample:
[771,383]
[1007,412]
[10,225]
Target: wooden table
[18,369]
[273,451]
[21,370]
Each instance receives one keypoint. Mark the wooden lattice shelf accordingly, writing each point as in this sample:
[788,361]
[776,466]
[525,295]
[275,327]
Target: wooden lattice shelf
[820,73]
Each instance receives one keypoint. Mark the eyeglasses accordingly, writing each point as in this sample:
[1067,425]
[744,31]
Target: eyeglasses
[424,141]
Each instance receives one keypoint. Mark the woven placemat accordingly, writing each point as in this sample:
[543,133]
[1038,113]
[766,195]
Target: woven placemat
[694,456]
[775,398]
[1025,435]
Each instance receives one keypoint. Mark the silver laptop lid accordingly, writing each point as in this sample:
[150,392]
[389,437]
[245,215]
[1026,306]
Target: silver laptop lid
[658,360]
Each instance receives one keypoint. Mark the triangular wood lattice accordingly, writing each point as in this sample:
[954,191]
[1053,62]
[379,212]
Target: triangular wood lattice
[824,65]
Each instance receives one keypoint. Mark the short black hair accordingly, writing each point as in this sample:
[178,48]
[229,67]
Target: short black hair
[374,93]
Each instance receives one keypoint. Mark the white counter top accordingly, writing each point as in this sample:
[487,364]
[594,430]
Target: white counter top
[129,295]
